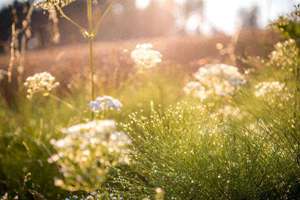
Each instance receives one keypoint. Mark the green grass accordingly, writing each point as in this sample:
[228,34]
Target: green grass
[179,143]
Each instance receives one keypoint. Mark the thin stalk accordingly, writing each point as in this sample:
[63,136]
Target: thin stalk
[14,35]
[61,101]
[62,13]
[99,22]
[91,49]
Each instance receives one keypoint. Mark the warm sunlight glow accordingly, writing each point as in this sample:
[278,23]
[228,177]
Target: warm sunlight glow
[142,4]
[193,23]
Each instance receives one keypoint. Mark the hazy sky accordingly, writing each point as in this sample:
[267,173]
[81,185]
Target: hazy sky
[223,13]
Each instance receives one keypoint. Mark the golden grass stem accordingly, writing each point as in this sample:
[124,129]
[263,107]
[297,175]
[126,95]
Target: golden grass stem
[12,51]
[91,49]
[61,101]
[99,22]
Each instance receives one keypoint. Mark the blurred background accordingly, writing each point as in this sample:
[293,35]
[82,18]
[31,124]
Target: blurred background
[188,33]
[130,19]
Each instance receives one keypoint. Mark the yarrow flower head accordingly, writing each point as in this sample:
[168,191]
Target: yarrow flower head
[264,88]
[196,89]
[272,91]
[215,80]
[51,4]
[229,112]
[42,83]
[87,152]
[105,103]
[145,56]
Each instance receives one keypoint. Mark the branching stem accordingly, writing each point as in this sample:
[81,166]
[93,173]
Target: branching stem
[62,13]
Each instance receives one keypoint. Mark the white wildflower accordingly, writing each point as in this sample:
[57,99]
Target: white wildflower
[196,89]
[87,152]
[105,103]
[215,80]
[272,91]
[51,4]
[285,55]
[230,112]
[145,56]
[264,88]
[42,83]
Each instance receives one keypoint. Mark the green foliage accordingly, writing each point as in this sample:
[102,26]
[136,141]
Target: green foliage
[193,152]
[289,25]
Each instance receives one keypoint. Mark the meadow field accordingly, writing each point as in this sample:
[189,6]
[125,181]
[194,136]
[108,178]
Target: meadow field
[179,118]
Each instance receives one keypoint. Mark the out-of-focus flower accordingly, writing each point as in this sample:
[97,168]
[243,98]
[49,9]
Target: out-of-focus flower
[105,103]
[42,83]
[51,4]
[145,56]
[264,88]
[229,112]
[272,91]
[195,89]
[87,152]
[215,80]
[95,106]
[285,55]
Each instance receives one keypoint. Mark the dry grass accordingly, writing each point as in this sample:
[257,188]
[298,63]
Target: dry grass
[113,58]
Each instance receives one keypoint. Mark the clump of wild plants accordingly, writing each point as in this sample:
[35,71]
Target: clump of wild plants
[245,148]
[87,152]
[42,83]
[145,57]
[105,103]
[89,32]
[289,25]
[215,80]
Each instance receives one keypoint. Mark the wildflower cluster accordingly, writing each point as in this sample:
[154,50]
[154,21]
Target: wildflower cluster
[105,103]
[285,55]
[145,56]
[215,80]
[229,112]
[51,4]
[272,91]
[42,83]
[87,152]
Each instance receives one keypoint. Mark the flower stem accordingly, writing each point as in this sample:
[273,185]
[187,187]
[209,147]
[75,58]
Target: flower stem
[61,101]
[91,48]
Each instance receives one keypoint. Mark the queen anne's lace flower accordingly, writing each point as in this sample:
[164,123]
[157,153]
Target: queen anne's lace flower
[272,91]
[230,112]
[40,83]
[51,4]
[195,89]
[215,80]
[265,88]
[87,152]
[145,56]
[105,103]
